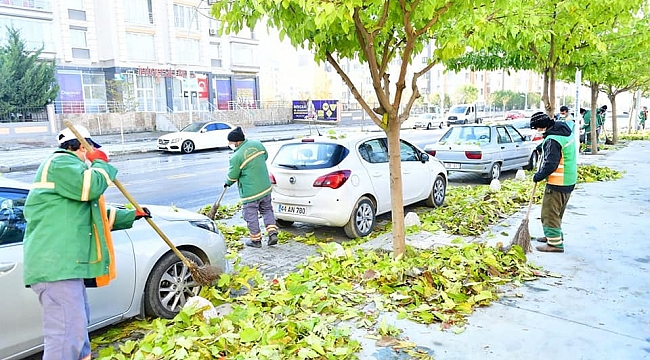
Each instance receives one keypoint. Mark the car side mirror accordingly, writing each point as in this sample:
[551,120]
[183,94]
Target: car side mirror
[424,157]
[203,130]
[528,138]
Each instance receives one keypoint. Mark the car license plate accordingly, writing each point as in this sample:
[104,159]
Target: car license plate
[452,165]
[291,209]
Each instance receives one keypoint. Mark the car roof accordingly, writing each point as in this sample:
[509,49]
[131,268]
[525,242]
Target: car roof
[10,183]
[348,140]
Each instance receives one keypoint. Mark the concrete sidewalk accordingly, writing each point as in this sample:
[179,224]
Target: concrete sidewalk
[600,306]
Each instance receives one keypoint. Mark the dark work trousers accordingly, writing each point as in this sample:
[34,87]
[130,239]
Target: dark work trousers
[553,206]
[251,213]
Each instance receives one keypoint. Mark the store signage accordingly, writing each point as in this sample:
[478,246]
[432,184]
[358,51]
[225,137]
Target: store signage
[321,110]
[170,73]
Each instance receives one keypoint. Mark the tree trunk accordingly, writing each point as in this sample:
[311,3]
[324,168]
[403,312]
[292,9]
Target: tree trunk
[545,98]
[593,122]
[551,91]
[612,100]
[396,193]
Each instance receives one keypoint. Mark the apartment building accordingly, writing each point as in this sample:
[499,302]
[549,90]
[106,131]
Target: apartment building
[165,54]
[34,19]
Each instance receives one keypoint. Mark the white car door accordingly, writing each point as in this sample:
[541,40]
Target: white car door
[374,154]
[508,151]
[521,151]
[416,178]
[206,137]
[221,135]
[19,307]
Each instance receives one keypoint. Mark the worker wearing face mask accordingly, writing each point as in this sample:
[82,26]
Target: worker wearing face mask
[248,169]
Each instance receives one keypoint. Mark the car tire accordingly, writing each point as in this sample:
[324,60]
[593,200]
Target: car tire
[169,285]
[429,126]
[283,223]
[495,172]
[187,147]
[362,219]
[438,191]
[465,122]
[441,125]
[532,162]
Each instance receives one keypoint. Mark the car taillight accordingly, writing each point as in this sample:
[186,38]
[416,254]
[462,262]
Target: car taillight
[333,180]
[272,178]
[431,152]
[476,155]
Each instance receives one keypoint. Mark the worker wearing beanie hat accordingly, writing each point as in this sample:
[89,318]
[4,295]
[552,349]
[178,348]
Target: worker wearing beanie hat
[560,170]
[248,169]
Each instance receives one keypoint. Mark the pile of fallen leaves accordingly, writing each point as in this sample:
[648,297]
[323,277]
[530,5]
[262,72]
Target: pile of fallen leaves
[639,135]
[223,211]
[314,312]
[593,173]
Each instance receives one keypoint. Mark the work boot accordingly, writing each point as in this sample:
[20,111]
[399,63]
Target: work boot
[273,238]
[251,243]
[550,248]
[541,239]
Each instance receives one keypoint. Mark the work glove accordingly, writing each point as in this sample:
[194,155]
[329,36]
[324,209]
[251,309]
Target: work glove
[96,154]
[225,185]
[537,177]
[145,213]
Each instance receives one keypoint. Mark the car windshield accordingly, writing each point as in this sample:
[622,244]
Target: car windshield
[521,123]
[309,155]
[193,127]
[458,110]
[467,134]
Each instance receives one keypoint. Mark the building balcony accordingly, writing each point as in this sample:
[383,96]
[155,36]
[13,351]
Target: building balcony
[43,5]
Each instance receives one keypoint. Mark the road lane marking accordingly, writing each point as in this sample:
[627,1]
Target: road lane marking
[179,176]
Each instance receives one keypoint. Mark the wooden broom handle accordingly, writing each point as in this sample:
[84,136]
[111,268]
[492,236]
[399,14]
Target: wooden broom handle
[530,202]
[128,196]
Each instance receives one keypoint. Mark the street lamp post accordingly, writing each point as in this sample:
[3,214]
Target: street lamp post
[187,42]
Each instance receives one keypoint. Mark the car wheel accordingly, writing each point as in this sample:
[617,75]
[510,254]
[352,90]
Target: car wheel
[437,196]
[169,286]
[441,125]
[429,127]
[532,162]
[465,122]
[495,171]
[362,220]
[187,147]
[283,223]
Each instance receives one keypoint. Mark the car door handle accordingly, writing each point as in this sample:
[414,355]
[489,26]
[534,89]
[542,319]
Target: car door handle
[503,147]
[376,174]
[6,267]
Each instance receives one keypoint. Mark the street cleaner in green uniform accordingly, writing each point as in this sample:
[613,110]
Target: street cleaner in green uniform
[560,170]
[67,244]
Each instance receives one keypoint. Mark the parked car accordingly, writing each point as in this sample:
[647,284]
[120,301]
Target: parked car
[523,126]
[424,121]
[484,149]
[466,114]
[196,136]
[151,279]
[514,114]
[346,183]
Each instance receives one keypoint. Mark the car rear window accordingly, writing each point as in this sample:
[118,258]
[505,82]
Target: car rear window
[463,134]
[310,155]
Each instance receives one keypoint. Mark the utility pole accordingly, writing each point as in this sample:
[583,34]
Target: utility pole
[187,54]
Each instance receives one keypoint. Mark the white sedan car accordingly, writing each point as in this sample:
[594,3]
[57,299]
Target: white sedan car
[196,136]
[346,182]
[151,279]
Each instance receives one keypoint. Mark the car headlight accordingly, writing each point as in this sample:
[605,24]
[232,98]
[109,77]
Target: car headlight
[206,224]
[175,140]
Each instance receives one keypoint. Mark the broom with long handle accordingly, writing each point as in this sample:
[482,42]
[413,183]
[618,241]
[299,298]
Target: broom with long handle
[204,275]
[215,206]
[522,236]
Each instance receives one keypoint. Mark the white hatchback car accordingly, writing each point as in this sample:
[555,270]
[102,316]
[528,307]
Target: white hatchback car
[346,183]
[196,136]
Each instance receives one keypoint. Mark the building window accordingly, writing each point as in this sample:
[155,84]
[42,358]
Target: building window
[188,51]
[215,55]
[94,87]
[32,4]
[76,14]
[35,33]
[140,46]
[75,4]
[185,17]
[138,11]
[78,38]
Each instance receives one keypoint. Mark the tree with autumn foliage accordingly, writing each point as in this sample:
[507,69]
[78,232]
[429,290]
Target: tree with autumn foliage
[377,33]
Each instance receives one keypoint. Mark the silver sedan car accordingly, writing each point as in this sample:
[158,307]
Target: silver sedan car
[150,280]
[485,149]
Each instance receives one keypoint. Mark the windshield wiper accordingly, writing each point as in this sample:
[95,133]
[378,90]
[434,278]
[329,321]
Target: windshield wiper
[290,166]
